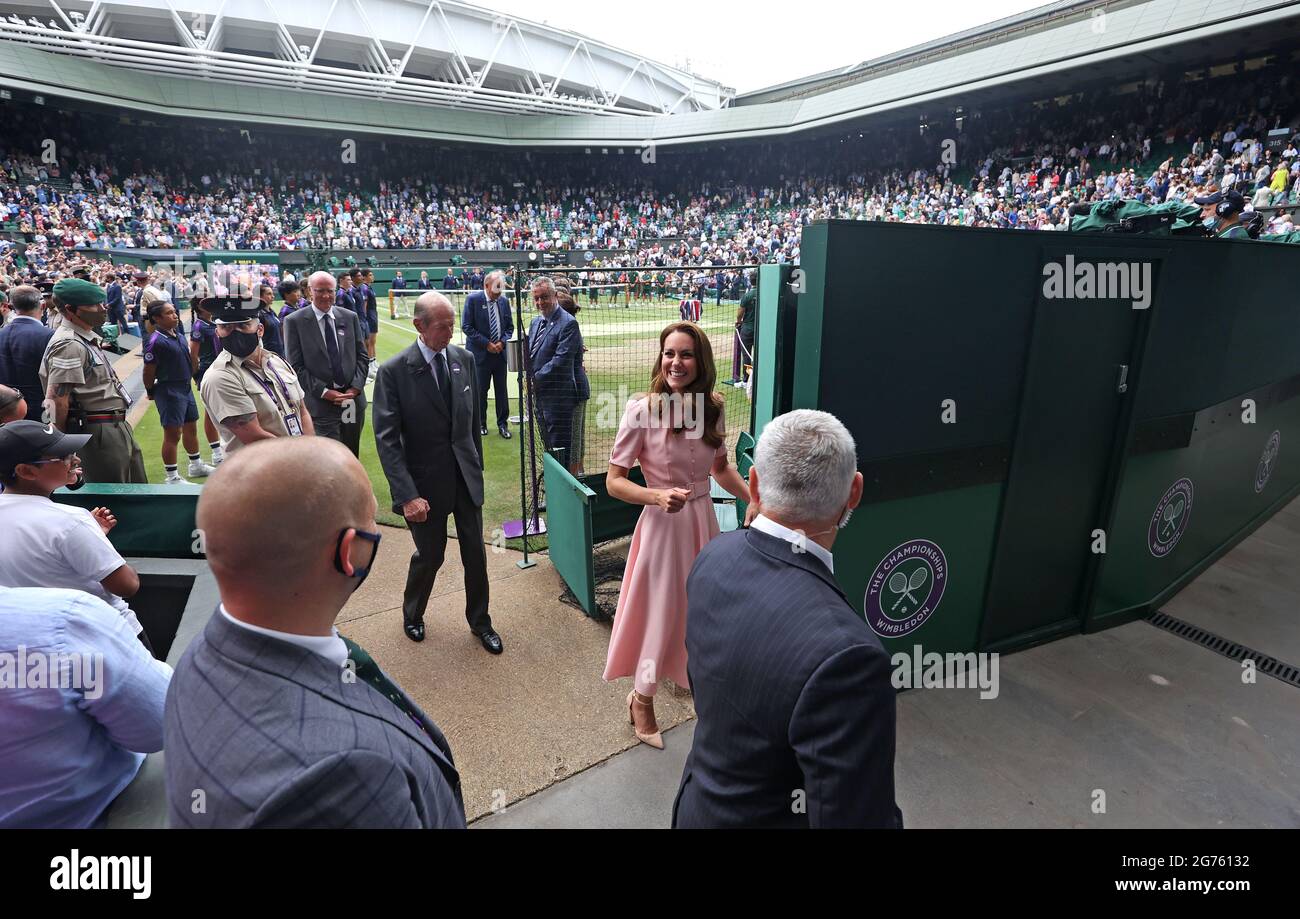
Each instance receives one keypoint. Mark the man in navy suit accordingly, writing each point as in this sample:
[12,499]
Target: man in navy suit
[487,327]
[792,689]
[116,304]
[22,345]
[554,353]
[343,297]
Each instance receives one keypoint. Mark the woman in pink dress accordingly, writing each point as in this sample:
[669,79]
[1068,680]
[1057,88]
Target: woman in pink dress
[677,433]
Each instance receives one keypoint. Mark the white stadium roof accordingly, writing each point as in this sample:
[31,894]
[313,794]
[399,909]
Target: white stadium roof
[450,72]
[432,51]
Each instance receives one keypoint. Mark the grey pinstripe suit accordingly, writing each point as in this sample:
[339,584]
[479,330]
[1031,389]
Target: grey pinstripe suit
[792,691]
[274,737]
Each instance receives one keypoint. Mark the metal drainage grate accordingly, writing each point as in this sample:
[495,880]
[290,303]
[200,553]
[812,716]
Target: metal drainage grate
[1275,668]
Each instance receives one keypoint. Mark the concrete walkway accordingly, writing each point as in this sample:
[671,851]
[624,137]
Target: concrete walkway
[1162,731]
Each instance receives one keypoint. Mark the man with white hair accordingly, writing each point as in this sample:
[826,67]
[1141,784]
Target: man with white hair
[427,436]
[487,327]
[326,345]
[792,688]
[555,354]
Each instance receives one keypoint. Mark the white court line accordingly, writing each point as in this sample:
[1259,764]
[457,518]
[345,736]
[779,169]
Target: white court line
[400,328]
[410,330]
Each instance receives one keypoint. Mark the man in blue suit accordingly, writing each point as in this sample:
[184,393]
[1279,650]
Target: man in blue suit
[116,304]
[792,689]
[554,353]
[273,719]
[487,327]
[344,297]
[22,345]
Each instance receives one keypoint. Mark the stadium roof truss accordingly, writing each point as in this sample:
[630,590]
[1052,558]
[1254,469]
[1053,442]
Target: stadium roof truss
[423,51]
[440,70]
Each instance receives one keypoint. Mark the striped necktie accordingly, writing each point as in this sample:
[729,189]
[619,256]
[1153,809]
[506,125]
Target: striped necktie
[494,321]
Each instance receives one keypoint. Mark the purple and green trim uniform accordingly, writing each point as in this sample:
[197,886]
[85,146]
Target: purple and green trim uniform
[205,333]
[169,355]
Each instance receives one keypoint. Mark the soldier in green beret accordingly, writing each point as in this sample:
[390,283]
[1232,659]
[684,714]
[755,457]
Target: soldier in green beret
[82,392]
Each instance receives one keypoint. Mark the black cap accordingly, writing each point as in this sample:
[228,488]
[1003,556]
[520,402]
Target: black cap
[232,310]
[1235,200]
[29,441]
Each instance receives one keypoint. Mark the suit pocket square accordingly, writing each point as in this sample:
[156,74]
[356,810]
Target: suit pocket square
[466,389]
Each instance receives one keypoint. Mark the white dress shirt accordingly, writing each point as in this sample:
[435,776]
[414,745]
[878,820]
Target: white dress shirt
[320,325]
[429,354]
[330,647]
[799,540]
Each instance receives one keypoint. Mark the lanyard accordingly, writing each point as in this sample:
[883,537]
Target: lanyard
[112,374]
[270,391]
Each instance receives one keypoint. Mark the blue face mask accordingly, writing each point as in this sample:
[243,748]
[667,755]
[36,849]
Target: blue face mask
[359,573]
[1210,222]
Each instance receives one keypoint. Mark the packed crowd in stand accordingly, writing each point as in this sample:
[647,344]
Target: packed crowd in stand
[117,186]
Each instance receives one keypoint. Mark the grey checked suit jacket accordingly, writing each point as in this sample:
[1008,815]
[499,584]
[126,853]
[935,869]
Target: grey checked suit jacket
[272,735]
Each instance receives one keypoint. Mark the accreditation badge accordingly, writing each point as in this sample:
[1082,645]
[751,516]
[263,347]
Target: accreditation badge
[293,425]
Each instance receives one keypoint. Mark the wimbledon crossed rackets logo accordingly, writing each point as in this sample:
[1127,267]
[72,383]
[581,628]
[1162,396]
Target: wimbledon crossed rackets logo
[1170,518]
[903,585]
[1268,460]
[905,589]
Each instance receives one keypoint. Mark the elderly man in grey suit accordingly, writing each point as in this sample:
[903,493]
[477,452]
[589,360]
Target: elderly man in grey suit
[427,428]
[273,719]
[326,345]
[792,689]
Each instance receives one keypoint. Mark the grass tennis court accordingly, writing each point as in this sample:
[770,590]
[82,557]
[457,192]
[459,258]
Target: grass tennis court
[622,344]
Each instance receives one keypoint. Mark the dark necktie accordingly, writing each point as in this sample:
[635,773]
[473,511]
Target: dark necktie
[541,336]
[368,672]
[332,346]
[444,383]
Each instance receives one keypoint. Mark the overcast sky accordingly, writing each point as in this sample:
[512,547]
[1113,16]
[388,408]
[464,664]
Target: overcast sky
[757,43]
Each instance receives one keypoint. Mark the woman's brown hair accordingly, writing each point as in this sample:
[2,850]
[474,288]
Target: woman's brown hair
[704,382]
[565,301]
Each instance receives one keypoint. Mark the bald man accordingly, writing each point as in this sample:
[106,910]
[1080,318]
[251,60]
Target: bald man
[327,347]
[273,719]
[427,423]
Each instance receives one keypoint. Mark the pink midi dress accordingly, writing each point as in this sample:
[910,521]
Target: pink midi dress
[649,637]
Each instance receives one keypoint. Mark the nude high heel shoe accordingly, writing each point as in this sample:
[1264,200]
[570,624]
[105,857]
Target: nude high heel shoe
[656,739]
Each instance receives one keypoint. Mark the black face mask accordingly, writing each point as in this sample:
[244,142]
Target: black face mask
[81,479]
[96,322]
[241,344]
[359,573]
